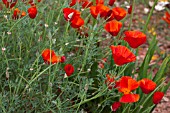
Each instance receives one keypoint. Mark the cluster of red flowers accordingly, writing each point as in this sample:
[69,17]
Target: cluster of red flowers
[126,85]
[49,56]
[32,11]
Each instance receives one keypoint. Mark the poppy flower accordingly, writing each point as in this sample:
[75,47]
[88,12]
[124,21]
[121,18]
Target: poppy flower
[115,106]
[157,97]
[113,27]
[99,9]
[49,56]
[129,98]
[10,3]
[122,55]
[147,85]
[119,13]
[130,9]
[18,14]
[109,16]
[99,1]
[73,2]
[70,14]
[63,59]
[135,38]
[77,22]
[127,84]
[69,69]
[109,80]
[166,18]
[32,12]
[86,4]
[111,2]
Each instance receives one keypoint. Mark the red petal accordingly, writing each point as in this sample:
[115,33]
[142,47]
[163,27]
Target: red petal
[129,98]
[157,97]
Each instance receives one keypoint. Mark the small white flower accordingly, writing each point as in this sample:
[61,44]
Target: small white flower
[65,75]
[55,23]
[82,9]
[89,70]
[66,44]
[5,16]
[3,48]
[8,33]
[151,3]
[146,10]
[53,40]
[31,69]
[46,25]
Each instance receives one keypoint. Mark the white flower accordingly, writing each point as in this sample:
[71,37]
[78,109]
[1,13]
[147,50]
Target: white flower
[146,10]
[3,48]
[46,25]
[66,44]
[8,33]
[161,5]
[5,16]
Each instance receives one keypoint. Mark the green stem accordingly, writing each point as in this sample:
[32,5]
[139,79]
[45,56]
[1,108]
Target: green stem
[149,16]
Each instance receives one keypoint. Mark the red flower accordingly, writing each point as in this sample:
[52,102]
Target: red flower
[130,9]
[166,18]
[111,2]
[77,22]
[115,106]
[99,1]
[63,59]
[99,9]
[122,55]
[127,84]
[119,13]
[135,38]
[73,16]
[86,4]
[47,53]
[109,81]
[73,2]
[9,3]
[147,85]
[129,98]
[32,12]
[157,97]
[18,14]
[70,14]
[69,69]
[113,27]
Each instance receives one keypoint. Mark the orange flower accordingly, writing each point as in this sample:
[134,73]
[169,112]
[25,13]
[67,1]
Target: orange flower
[122,55]
[113,27]
[9,3]
[69,69]
[119,13]
[147,85]
[32,12]
[129,98]
[111,2]
[127,84]
[157,97]
[17,14]
[47,53]
[115,106]
[99,9]
[135,38]
[166,18]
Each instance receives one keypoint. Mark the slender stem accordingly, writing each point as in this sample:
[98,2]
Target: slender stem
[131,16]
[149,16]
